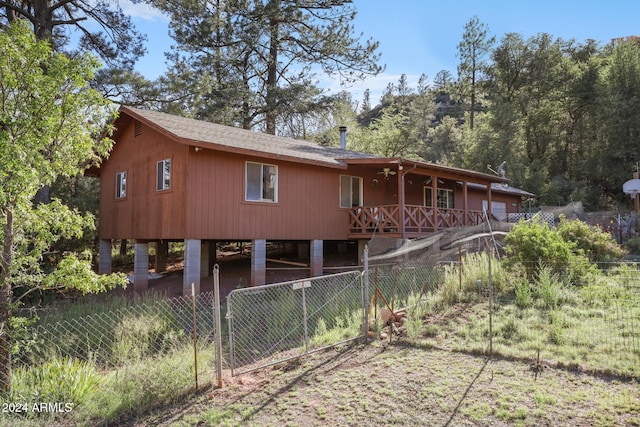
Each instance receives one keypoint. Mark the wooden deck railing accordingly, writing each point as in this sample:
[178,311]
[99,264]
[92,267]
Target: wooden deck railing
[417,219]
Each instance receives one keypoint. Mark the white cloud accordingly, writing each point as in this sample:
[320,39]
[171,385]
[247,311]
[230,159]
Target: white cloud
[142,11]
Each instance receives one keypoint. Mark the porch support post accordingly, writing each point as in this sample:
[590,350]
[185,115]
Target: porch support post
[316,258]
[488,201]
[258,262]
[162,250]
[141,266]
[401,201]
[104,257]
[434,201]
[192,262]
[465,204]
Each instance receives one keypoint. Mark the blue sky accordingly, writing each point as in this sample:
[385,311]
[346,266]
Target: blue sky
[421,36]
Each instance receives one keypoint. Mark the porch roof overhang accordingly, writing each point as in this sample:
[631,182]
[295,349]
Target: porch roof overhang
[506,189]
[429,169]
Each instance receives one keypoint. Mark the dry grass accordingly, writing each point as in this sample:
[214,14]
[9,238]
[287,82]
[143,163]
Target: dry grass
[409,384]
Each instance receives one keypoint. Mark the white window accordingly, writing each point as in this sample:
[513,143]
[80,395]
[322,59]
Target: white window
[261,183]
[350,191]
[163,175]
[444,198]
[121,185]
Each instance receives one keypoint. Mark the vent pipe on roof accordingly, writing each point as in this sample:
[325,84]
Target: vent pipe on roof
[343,137]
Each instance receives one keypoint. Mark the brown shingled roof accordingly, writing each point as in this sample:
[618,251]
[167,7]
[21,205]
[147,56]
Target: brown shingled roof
[226,138]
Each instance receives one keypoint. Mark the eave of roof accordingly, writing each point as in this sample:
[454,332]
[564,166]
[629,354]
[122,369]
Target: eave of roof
[427,167]
[502,188]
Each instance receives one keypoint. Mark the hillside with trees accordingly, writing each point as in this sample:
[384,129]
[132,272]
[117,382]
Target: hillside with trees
[561,113]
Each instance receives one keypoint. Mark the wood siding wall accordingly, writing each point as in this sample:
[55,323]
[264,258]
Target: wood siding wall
[308,205]
[206,199]
[145,213]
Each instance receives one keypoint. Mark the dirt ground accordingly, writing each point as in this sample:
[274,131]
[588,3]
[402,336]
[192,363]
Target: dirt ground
[407,384]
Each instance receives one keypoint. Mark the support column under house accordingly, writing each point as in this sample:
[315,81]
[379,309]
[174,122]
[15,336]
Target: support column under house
[162,250]
[192,263]
[141,266]
[104,257]
[316,258]
[258,262]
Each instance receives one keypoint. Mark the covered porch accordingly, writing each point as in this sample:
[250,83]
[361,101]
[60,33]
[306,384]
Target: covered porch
[405,199]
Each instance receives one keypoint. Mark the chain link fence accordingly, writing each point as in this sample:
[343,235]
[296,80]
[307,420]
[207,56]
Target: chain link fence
[115,338]
[162,344]
[466,298]
[590,323]
[557,318]
[274,323]
[400,286]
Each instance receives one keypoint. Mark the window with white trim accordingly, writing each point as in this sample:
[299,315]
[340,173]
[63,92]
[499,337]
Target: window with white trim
[444,198]
[261,182]
[350,191]
[121,185]
[163,175]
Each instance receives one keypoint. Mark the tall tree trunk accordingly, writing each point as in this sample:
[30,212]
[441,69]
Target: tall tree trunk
[272,75]
[123,247]
[43,28]
[6,296]
[43,20]
[472,112]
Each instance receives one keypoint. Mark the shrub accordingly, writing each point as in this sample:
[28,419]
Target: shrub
[474,269]
[509,329]
[524,298]
[633,245]
[556,334]
[595,244]
[547,289]
[564,251]
[532,244]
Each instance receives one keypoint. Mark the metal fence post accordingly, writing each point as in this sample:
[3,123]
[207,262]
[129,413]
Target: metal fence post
[195,333]
[365,294]
[490,308]
[218,325]
[231,326]
[305,320]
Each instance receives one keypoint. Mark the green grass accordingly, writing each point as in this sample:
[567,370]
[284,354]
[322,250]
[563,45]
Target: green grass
[595,327]
[104,397]
[146,384]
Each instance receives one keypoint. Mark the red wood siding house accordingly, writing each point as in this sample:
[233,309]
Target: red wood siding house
[171,178]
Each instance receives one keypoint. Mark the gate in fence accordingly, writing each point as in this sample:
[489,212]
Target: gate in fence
[275,323]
